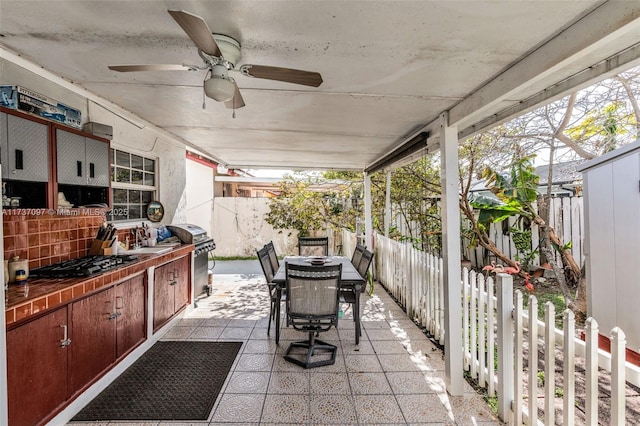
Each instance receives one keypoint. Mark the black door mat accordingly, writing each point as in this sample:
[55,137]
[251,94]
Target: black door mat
[173,380]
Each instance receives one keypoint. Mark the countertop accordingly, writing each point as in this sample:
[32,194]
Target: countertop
[43,294]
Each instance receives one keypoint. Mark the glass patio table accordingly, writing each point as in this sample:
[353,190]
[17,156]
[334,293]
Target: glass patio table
[350,279]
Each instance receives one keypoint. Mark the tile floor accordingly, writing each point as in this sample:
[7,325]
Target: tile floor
[395,376]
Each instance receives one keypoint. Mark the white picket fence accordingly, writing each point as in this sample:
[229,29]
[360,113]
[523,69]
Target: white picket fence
[498,335]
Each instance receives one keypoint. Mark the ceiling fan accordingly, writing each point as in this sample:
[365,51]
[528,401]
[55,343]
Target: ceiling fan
[221,54]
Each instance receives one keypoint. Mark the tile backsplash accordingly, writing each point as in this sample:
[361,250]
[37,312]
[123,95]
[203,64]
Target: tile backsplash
[47,239]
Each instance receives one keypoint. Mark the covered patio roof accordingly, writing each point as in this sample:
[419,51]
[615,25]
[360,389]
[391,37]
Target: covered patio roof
[390,69]
[399,78]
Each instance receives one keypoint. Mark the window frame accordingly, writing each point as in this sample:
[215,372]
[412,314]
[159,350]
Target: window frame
[115,185]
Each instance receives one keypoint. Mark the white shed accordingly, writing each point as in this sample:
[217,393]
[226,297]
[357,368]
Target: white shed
[612,241]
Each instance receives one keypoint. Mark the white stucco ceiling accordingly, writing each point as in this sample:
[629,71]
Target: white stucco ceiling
[389,67]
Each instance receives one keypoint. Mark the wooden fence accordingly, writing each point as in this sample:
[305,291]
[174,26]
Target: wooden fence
[499,334]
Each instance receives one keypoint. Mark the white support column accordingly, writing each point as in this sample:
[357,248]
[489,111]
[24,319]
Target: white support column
[387,205]
[368,222]
[451,256]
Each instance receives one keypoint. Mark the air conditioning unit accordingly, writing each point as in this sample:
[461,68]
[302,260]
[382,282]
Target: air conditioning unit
[99,129]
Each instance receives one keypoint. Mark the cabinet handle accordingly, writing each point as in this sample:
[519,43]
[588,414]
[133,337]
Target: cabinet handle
[114,315]
[92,170]
[19,159]
[176,273]
[65,338]
[119,302]
[173,283]
[79,168]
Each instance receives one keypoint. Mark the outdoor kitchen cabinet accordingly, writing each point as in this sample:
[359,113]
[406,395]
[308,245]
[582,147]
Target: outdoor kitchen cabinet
[81,160]
[24,154]
[37,368]
[171,290]
[82,168]
[130,304]
[24,149]
[93,335]
[40,159]
[106,326]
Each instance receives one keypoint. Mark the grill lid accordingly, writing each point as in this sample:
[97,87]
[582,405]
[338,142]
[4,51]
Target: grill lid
[188,233]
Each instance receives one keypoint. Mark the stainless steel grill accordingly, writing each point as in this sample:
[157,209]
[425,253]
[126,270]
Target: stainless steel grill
[193,234]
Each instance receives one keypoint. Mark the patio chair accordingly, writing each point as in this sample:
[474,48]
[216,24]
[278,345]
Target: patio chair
[347,295]
[357,255]
[273,257]
[265,263]
[313,246]
[312,307]
[365,262]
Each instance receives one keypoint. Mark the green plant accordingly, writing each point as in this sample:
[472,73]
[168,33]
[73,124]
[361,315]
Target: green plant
[515,195]
[370,283]
[541,378]
[523,243]
[234,258]
[558,302]
[492,401]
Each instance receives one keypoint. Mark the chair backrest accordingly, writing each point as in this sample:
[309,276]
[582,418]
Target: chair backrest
[365,262]
[357,255]
[313,246]
[263,257]
[313,292]
[273,257]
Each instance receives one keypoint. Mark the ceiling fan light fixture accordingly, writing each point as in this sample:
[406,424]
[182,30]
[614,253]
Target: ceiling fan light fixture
[229,48]
[219,88]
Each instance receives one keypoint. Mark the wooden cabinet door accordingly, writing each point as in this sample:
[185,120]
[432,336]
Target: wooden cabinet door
[36,368]
[131,305]
[163,295]
[182,287]
[172,289]
[93,333]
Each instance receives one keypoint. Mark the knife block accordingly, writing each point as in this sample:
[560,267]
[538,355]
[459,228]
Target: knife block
[100,247]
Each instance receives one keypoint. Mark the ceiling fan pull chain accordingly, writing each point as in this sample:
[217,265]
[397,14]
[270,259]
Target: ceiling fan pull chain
[234,106]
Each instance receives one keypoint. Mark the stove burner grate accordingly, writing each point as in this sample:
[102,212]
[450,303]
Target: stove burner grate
[81,267]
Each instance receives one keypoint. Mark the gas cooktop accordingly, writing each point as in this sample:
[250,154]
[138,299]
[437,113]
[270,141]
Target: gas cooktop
[82,267]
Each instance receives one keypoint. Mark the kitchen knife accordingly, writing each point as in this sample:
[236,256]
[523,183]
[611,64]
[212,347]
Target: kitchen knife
[101,231]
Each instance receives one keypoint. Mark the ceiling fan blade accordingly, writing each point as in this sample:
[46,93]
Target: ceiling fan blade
[288,75]
[198,30]
[150,67]
[235,102]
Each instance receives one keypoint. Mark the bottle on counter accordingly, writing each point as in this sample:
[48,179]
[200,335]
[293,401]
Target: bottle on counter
[17,264]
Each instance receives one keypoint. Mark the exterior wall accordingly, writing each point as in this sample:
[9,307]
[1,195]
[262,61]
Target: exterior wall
[612,202]
[239,228]
[200,195]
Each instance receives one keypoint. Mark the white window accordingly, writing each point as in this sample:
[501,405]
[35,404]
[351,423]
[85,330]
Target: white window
[133,185]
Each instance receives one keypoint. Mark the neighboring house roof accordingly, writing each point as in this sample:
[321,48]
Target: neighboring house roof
[563,174]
